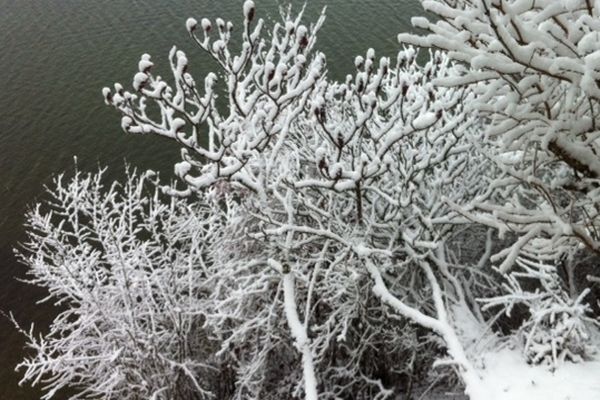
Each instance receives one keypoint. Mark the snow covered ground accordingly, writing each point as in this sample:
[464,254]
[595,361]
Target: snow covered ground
[508,377]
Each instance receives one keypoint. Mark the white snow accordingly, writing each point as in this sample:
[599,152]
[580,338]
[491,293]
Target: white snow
[581,153]
[191,24]
[298,331]
[424,120]
[248,8]
[145,64]
[508,377]
[139,80]
[206,25]
[106,94]
[182,168]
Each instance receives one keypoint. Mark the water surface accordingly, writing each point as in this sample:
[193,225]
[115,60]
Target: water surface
[56,55]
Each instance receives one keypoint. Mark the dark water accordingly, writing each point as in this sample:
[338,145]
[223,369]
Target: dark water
[56,55]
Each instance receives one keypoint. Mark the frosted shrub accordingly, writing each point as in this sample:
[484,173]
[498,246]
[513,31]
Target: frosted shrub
[553,336]
[557,326]
[125,266]
[333,194]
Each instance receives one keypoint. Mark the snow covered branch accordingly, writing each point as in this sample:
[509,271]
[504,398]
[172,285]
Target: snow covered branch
[534,67]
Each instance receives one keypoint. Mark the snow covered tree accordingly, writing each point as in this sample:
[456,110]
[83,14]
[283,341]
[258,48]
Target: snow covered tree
[535,68]
[312,219]
[125,267]
[557,327]
[321,175]
[315,244]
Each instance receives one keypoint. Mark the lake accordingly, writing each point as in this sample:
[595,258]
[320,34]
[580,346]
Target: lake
[55,57]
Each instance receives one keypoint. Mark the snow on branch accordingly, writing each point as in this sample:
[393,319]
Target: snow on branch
[534,66]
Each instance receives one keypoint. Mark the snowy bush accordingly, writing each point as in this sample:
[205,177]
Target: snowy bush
[558,326]
[321,176]
[329,239]
[321,232]
[125,267]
